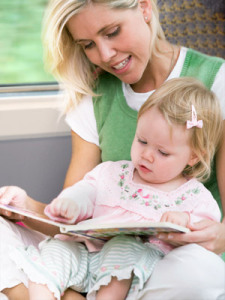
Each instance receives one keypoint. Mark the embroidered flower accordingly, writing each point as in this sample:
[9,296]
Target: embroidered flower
[121,182]
[178,202]
[125,166]
[187,194]
[122,175]
[180,199]
[157,206]
[146,196]
[196,190]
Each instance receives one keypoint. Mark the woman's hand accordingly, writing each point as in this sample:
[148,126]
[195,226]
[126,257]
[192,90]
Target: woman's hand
[206,233]
[14,196]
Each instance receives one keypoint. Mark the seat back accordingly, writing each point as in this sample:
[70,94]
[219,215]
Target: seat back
[197,24]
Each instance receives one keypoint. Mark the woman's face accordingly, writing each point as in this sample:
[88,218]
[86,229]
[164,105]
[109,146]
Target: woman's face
[116,40]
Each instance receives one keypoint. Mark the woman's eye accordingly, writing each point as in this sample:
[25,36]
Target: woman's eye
[88,45]
[114,32]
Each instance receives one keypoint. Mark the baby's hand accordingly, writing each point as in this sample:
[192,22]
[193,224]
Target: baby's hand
[176,217]
[62,210]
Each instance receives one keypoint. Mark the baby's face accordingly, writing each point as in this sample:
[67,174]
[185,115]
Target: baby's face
[160,152]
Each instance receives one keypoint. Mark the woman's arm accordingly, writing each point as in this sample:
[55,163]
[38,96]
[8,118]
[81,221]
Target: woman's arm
[36,225]
[220,170]
[85,156]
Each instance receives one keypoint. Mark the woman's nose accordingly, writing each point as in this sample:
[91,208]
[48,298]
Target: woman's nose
[106,51]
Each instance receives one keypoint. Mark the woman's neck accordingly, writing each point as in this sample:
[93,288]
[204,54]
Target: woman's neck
[158,68]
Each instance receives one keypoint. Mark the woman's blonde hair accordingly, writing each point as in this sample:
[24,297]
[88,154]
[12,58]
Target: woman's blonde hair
[174,99]
[65,59]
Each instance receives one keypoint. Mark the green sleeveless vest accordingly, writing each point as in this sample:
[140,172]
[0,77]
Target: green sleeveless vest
[116,121]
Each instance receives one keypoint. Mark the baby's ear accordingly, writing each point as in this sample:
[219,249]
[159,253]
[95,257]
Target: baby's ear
[194,159]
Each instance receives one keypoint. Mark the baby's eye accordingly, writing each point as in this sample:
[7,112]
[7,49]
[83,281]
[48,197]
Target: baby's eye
[163,153]
[142,142]
[114,32]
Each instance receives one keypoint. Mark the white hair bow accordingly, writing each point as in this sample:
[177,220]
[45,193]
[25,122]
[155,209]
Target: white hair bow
[194,122]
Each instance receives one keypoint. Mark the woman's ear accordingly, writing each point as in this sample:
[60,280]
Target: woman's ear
[193,160]
[146,7]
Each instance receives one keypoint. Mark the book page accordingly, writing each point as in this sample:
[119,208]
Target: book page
[29,213]
[129,228]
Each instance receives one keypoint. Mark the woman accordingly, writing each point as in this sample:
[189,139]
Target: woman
[124,38]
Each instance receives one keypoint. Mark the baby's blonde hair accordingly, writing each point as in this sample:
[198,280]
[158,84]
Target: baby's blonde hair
[65,59]
[174,99]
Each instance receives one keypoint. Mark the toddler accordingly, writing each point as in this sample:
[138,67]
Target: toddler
[179,129]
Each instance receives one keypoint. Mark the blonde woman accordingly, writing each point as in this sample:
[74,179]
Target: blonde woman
[110,56]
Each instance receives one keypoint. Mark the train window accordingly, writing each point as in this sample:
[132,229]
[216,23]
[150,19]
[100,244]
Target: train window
[21,53]
[30,100]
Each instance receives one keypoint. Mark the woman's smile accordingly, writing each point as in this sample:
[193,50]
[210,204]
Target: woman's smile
[122,66]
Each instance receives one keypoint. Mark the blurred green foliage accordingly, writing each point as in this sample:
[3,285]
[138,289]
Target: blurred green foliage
[21,53]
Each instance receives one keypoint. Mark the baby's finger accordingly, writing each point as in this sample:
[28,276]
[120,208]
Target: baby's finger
[54,207]
[67,208]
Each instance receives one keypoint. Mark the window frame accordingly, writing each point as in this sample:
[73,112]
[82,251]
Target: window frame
[31,111]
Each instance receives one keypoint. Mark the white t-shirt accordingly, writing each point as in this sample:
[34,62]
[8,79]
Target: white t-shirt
[82,119]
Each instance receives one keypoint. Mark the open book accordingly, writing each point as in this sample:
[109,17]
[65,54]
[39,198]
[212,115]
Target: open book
[102,230]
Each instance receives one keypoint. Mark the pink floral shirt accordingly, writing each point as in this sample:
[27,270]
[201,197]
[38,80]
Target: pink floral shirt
[118,195]
[119,199]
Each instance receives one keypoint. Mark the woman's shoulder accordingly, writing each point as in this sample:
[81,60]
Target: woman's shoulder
[195,54]
[81,119]
[202,66]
